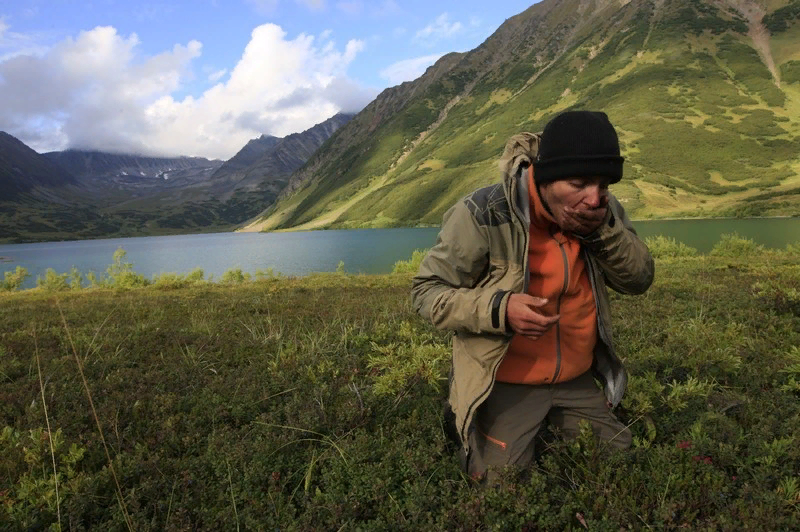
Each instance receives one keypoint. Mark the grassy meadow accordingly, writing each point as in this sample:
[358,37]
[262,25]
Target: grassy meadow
[314,403]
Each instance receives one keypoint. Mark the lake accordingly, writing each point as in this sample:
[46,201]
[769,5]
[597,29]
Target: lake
[299,253]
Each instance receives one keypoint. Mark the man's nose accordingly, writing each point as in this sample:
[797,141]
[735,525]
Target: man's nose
[595,196]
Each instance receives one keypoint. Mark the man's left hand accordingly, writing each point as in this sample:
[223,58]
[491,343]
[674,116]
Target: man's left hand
[583,221]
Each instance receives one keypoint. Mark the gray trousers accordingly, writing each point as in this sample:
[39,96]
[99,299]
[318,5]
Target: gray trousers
[507,422]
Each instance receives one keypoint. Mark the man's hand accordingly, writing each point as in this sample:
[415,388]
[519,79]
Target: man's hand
[524,318]
[583,221]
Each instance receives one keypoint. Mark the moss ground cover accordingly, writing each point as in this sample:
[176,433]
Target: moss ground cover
[315,404]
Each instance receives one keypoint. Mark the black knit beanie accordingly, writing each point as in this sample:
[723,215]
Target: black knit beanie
[578,144]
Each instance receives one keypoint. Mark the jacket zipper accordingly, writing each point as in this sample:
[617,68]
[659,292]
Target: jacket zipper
[558,308]
[481,397]
[593,282]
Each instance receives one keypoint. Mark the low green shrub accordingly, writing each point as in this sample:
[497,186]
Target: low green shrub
[735,246]
[12,281]
[120,274]
[52,281]
[167,281]
[411,265]
[235,276]
[663,246]
[269,273]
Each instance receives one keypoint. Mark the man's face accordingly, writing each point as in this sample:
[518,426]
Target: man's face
[587,195]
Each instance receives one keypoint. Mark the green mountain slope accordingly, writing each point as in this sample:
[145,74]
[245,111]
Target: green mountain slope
[705,96]
[28,177]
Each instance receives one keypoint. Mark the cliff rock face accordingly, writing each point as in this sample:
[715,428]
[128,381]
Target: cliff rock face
[110,173]
[274,159]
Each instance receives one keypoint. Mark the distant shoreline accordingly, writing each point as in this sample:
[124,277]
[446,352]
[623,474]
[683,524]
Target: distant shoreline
[715,218]
[292,230]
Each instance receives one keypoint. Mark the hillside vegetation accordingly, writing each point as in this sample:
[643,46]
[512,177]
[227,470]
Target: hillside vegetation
[315,404]
[705,96]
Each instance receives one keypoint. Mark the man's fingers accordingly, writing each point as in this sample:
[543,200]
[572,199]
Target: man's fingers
[534,319]
[533,301]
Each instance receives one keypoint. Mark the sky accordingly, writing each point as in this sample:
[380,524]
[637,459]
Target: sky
[202,77]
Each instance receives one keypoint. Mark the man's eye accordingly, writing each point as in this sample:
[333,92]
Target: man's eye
[577,184]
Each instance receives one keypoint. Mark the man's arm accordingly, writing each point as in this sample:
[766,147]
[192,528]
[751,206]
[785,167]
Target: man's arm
[445,289]
[623,257]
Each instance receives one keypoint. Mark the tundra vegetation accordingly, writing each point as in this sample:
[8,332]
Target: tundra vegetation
[264,402]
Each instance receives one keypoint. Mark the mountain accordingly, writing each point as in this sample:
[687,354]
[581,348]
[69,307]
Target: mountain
[251,152]
[124,175]
[704,94]
[278,160]
[26,176]
[87,194]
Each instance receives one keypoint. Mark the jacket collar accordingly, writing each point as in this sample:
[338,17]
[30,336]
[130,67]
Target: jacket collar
[540,216]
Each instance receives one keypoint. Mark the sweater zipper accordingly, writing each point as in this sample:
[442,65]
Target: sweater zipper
[558,308]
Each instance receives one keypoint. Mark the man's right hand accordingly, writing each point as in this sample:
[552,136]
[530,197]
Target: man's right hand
[523,316]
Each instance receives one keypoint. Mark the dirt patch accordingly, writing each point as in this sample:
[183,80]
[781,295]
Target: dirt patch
[754,13]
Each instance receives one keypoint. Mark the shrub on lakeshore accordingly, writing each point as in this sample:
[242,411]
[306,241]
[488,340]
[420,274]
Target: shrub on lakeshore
[235,276]
[268,274]
[734,246]
[54,282]
[120,274]
[661,246]
[12,281]
[411,265]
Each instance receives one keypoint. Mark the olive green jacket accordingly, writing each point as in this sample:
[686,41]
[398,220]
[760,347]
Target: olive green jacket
[481,256]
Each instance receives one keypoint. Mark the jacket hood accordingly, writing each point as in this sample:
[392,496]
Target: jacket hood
[520,152]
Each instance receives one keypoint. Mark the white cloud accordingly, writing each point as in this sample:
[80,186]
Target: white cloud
[217,75]
[439,29]
[408,69]
[13,44]
[96,91]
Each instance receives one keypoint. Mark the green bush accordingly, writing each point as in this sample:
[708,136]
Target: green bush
[662,247]
[411,265]
[235,276]
[60,282]
[735,246]
[120,274]
[39,491]
[172,280]
[13,280]
[268,274]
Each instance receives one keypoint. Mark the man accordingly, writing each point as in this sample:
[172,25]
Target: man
[519,273]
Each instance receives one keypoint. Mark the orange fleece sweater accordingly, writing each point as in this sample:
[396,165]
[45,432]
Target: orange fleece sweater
[558,273]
